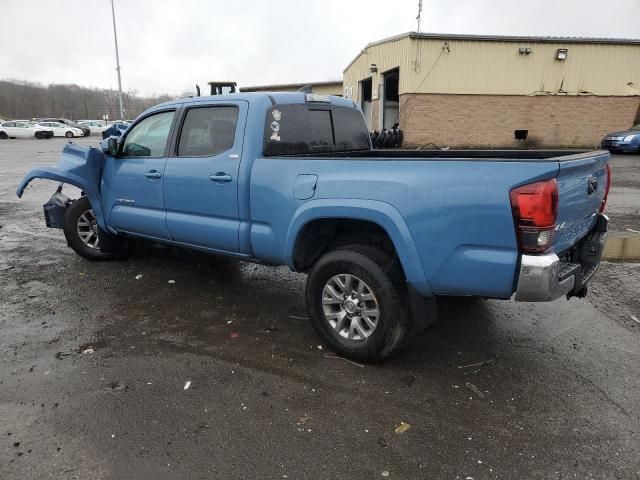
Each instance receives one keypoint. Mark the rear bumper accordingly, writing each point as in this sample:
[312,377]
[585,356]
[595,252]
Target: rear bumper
[539,279]
[546,277]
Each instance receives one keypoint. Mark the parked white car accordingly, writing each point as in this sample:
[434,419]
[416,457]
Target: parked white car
[96,126]
[61,130]
[21,129]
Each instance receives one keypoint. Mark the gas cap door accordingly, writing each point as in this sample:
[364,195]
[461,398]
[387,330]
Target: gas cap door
[305,186]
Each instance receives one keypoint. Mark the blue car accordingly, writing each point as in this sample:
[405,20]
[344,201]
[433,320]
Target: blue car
[623,141]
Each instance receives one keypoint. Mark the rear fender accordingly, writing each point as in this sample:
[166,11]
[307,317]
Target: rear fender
[380,213]
[78,166]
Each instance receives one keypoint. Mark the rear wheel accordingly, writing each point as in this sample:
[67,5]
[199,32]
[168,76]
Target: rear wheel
[69,134]
[357,301]
[82,232]
[39,135]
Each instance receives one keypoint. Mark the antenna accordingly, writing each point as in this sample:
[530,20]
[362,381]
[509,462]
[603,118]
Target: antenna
[419,17]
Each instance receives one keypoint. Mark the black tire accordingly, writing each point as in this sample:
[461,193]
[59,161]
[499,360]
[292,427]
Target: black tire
[69,134]
[39,135]
[3,136]
[72,216]
[380,139]
[384,279]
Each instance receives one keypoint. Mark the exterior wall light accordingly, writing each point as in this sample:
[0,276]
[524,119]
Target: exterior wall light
[525,51]
[561,54]
[373,68]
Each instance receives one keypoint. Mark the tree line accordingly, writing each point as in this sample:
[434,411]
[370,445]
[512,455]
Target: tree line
[20,99]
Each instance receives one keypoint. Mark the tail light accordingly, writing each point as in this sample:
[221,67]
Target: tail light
[535,209]
[606,190]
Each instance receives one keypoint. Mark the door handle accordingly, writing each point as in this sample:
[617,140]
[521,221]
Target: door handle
[220,177]
[153,174]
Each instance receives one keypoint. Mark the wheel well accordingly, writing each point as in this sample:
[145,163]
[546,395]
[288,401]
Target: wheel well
[326,234]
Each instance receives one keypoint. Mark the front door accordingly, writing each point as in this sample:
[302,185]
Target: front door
[132,183]
[21,130]
[201,176]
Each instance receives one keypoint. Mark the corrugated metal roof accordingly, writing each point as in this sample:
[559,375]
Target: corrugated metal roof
[499,38]
[289,85]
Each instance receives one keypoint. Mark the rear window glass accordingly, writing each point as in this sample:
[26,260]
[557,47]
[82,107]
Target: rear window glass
[321,128]
[208,131]
[305,129]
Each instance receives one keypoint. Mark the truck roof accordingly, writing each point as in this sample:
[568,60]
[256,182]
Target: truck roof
[281,98]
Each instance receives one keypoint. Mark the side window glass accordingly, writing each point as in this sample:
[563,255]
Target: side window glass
[149,137]
[207,131]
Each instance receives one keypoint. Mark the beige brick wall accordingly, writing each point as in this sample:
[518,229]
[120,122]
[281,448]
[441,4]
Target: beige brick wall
[490,120]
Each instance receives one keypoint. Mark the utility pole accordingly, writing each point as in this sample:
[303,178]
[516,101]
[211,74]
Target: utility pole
[115,37]
[417,66]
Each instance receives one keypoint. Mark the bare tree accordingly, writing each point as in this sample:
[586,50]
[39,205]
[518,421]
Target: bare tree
[21,99]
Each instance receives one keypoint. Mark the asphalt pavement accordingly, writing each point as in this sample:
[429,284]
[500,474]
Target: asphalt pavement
[180,365]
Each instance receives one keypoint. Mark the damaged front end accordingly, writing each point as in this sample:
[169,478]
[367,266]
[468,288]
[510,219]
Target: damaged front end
[55,209]
[77,166]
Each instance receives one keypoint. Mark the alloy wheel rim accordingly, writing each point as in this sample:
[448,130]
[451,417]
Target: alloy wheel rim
[350,307]
[87,228]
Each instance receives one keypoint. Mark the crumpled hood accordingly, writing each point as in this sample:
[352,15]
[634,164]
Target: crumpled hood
[78,166]
[74,162]
[85,162]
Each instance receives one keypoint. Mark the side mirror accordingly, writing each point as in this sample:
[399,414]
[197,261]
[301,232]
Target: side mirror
[112,144]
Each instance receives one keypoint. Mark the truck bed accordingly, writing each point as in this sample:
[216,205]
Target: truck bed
[434,155]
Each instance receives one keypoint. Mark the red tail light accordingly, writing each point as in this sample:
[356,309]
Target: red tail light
[606,190]
[535,209]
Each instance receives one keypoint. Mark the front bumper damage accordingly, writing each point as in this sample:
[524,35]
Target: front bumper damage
[77,166]
[56,208]
[550,276]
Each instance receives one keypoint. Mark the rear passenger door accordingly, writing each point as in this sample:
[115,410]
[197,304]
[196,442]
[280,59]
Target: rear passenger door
[201,176]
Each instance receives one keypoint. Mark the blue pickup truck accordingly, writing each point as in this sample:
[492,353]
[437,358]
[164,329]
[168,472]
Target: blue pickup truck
[291,179]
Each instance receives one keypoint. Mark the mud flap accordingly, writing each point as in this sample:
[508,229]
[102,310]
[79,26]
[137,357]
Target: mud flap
[55,209]
[111,243]
[422,310]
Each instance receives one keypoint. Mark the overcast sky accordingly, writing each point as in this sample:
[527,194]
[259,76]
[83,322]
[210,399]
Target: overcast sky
[168,45]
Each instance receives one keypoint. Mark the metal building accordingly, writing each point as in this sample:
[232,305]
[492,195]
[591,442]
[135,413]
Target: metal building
[497,91]
[322,88]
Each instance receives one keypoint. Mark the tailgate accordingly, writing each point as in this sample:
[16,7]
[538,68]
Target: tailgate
[582,182]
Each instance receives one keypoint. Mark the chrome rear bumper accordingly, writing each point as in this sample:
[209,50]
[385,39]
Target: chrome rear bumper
[539,279]
[546,277]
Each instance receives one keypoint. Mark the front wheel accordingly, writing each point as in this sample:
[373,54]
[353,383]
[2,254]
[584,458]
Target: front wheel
[3,136]
[357,302]
[82,232]
[69,134]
